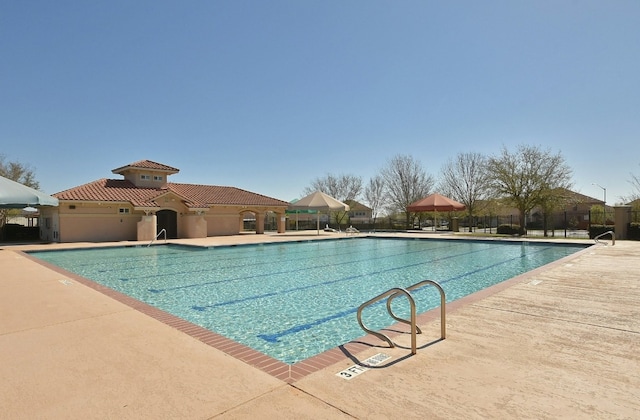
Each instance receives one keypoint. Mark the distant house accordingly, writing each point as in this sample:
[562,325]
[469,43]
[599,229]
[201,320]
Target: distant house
[144,203]
[574,206]
[570,204]
[574,201]
[359,213]
[635,203]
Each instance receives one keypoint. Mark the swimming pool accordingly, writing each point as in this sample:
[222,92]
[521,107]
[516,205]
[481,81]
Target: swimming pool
[294,300]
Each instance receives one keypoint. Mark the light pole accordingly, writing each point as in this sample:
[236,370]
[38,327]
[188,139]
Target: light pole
[603,189]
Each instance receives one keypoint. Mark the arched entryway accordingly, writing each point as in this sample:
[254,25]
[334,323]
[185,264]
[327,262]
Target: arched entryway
[259,221]
[167,220]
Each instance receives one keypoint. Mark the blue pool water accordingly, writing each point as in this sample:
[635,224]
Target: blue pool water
[294,300]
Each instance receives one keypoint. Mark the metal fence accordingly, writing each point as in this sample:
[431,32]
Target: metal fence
[552,225]
[565,224]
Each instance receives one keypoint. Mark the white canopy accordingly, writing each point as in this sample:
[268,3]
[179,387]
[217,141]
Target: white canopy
[321,202]
[14,195]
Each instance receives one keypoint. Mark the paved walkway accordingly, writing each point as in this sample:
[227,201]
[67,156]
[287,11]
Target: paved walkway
[559,342]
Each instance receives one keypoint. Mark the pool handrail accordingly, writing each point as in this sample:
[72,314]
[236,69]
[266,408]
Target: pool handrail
[609,232]
[443,322]
[392,294]
[154,239]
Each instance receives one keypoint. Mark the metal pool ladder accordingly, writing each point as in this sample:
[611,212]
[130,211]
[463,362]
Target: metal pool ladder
[159,233]
[392,294]
[609,232]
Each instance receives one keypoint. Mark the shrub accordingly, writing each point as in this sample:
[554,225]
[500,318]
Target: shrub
[595,230]
[509,230]
[535,225]
[634,231]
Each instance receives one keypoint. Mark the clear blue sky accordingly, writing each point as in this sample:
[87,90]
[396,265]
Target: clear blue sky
[269,95]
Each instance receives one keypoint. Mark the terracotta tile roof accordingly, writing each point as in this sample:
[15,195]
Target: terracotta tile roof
[195,196]
[216,195]
[147,164]
[119,190]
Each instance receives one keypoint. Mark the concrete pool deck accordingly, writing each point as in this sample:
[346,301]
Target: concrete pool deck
[562,341]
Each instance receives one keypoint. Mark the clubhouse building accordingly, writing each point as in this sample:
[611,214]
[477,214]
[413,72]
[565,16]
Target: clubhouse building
[143,203]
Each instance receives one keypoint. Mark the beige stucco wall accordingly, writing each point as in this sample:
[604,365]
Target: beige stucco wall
[193,226]
[170,202]
[147,228]
[133,175]
[96,222]
[98,228]
[222,222]
[49,224]
[100,221]
[622,220]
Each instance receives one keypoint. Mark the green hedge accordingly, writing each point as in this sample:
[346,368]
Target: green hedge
[510,230]
[595,230]
[634,231]
[13,232]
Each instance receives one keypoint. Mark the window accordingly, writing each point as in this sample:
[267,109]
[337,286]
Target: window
[123,210]
[157,177]
[145,177]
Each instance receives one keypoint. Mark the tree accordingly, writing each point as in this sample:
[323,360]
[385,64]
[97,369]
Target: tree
[465,179]
[527,177]
[18,172]
[559,199]
[598,215]
[340,187]
[635,183]
[374,195]
[406,182]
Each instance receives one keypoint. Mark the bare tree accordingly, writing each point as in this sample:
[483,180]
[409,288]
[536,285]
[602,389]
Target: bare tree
[406,182]
[465,179]
[340,187]
[374,195]
[18,172]
[635,183]
[528,177]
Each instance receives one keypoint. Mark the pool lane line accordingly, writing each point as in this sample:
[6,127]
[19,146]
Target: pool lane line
[294,258]
[338,252]
[185,253]
[227,280]
[306,268]
[140,259]
[330,282]
[244,277]
[275,337]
